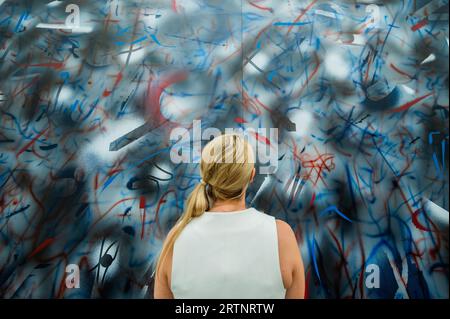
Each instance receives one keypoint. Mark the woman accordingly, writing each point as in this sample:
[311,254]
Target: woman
[221,249]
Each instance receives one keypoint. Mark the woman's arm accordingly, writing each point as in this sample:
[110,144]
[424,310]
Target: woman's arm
[291,263]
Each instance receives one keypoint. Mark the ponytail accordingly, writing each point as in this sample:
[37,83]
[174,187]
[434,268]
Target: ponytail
[197,203]
[225,181]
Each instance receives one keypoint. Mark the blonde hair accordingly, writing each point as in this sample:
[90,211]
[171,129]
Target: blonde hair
[226,168]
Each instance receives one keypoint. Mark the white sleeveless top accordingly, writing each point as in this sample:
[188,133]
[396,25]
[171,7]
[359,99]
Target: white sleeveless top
[228,255]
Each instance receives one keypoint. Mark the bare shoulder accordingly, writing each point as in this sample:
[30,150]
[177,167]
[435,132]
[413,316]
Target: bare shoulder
[285,233]
[291,264]
[287,246]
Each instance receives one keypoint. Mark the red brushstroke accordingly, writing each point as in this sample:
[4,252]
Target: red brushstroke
[118,79]
[324,162]
[343,256]
[43,245]
[313,198]
[96,182]
[433,251]
[260,33]
[301,15]
[415,220]
[174,6]
[313,73]
[263,105]
[142,207]
[108,211]
[308,279]
[14,94]
[53,65]
[23,149]
[409,104]
[162,201]
[142,202]
[363,258]
[261,138]
[40,204]
[114,171]
[154,91]
[419,25]
[240,120]
[400,71]
[261,7]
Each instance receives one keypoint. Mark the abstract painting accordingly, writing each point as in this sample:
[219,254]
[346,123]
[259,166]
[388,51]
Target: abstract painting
[90,91]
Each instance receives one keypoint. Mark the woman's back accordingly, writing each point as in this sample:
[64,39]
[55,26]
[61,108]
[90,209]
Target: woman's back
[219,249]
[228,255]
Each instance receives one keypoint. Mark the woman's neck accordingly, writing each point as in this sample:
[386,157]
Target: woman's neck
[228,205]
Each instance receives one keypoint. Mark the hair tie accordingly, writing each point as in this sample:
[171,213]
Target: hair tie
[203,182]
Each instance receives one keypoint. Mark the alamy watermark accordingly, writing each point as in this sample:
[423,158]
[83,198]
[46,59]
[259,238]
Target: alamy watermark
[188,145]
[73,276]
[373,277]
[72,21]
